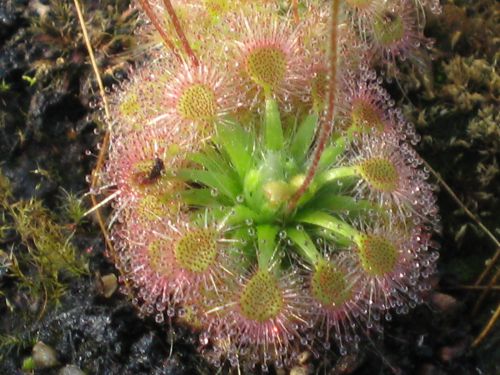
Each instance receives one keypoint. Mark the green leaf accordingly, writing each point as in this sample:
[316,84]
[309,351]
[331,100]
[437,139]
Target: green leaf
[203,198]
[331,153]
[329,222]
[210,160]
[326,199]
[305,244]
[238,144]
[345,173]
[303,138]
[266,238]
[241,213]
[272,126]
[222,183]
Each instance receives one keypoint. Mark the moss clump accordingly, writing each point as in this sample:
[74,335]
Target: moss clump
[46,253]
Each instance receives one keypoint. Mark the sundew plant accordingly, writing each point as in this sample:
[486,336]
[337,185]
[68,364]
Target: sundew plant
[264,186]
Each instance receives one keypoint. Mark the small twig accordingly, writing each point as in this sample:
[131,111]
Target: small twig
[95,203]
[473,217]
[327,123]
[487,328]
[295,11]
[490,263]
[102,203]
[473,287]
[483,295]
[92,57]
[180,32]
[459,202]
[156,23]
[105,142]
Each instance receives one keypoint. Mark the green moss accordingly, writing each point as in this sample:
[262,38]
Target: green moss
[14,342]
[72,207]
[45,250]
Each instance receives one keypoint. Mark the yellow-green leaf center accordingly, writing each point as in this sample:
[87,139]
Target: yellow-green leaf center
[380,173]
[328,285]
[197,103]
[196,251]
[261,298]
[389,28]
[366,117]
[378,255]
[267,66]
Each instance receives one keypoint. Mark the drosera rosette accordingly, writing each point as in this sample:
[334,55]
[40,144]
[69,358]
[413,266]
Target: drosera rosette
[367,108]
[268,58]
[382,170]
[259,319]
[251,208]
[173,262]
[335,291]
[196,97]
[395,263]
[140,173]
[395,35]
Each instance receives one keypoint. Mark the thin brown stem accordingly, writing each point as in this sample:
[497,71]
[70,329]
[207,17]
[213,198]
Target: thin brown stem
[92,57]
[104,146]
[105,142]
[295,11]
[477,288]
[180,32]
[487,328]
[490,263]
[485,292]
[93,186]
[473,217]
[156,23]
[327,123]
[459,202]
